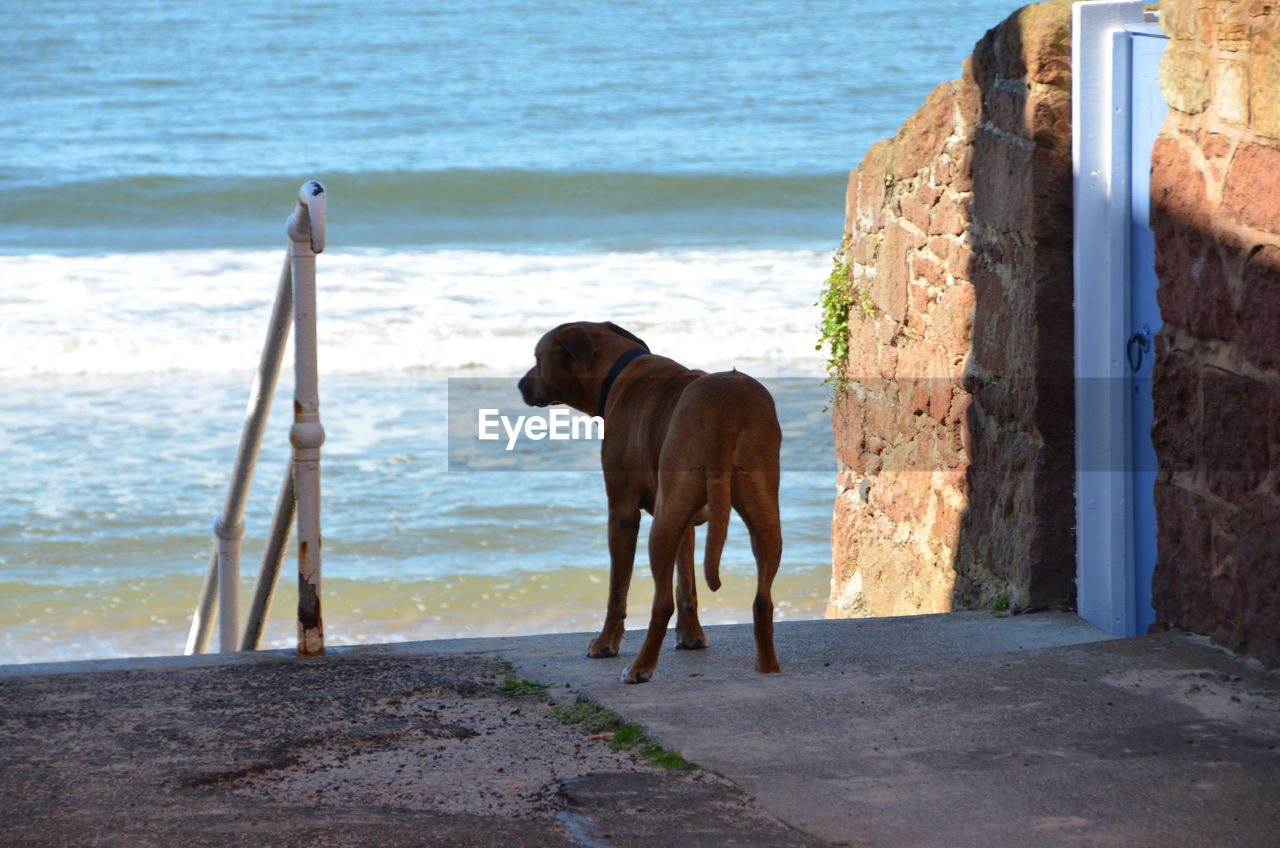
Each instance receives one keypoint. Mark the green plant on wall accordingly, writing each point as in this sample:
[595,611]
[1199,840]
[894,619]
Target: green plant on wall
[840,295]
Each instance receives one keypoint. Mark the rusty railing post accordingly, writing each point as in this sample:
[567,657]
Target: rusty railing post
[306,237]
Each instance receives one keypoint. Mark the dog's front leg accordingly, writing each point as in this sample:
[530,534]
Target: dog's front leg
[624,524]
[662,557]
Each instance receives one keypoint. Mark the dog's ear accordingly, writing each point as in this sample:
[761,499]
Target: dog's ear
[579,344]
[626,334]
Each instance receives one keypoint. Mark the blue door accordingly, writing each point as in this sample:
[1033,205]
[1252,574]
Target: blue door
[1147,111]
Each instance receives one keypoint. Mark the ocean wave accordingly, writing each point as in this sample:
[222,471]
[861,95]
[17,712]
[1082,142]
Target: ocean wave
[452,207]
[448,311]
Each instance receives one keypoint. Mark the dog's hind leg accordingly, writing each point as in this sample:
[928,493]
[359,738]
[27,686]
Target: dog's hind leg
[756,499]
[688,630]
[767,548]
[678,493]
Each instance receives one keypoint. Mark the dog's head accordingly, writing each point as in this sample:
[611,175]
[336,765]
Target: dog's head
[571,362]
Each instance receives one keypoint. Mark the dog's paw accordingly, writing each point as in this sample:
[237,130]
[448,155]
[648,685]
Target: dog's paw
[768,666]
[630,675]
[601,650]
[696,642]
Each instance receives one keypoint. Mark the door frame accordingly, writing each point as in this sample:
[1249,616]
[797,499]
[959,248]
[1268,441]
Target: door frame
[1106,548]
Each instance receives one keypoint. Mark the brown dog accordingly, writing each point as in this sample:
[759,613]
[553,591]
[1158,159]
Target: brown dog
[684,446]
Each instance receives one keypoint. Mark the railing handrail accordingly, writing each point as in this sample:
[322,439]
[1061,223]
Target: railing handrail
[294,303]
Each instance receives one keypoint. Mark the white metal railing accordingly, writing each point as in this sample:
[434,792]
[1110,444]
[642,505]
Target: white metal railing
[300,493]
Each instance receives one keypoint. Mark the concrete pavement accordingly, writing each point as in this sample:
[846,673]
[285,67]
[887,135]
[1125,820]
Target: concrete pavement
[960,729]
[964,729]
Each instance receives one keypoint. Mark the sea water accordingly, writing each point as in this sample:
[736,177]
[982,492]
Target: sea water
[492,169]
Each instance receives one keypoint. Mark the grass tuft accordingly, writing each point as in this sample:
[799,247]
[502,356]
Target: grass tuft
[621,735]
[512,686]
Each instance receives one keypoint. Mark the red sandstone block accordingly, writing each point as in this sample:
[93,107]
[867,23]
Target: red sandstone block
[1206,24]
[847,426]
[873,178]
[959,255]
[1184,77]
[924,383]
[1264,74]
[1048,120]
[928,269]
[1046,42]
[1257,552]
[904,494]
[1175,435]
[991,321]
[918,294]
[1251,195]
[1259,316]
[1002,182]
[1051,189]
[1232,26]
[927,193]
[890,287]
[946,523]
[1004,107]
[864,248]
[921,138]
[953,318]
[956,170]
[950,217]
[1234,450]
[915,212]
[1178,189]
[1195,290]
[1178,18]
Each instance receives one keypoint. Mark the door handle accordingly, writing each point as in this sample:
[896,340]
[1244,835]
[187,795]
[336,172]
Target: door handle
[1138,345]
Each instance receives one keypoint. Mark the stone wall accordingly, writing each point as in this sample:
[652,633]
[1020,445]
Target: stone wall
[954,439]
[1216,215]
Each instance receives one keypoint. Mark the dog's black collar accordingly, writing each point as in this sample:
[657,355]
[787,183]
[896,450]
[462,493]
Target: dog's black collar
[618,364]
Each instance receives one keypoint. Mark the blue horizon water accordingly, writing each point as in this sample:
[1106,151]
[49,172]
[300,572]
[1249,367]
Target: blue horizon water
[493,168]
[148,126]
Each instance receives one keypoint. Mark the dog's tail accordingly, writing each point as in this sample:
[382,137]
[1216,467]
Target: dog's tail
[719,503]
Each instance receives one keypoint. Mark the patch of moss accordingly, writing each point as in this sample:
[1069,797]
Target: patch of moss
[621,735]
[512,686]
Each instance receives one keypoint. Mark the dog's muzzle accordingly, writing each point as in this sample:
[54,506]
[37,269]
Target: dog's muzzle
[527,393]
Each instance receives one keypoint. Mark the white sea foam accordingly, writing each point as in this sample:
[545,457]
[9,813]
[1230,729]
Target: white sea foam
[444,311]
